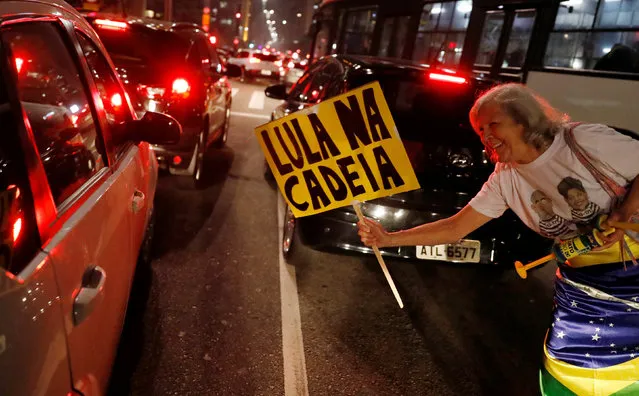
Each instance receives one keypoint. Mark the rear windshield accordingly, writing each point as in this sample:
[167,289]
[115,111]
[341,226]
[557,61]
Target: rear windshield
[414,100]
[266,58]
[147,47]
[243,54]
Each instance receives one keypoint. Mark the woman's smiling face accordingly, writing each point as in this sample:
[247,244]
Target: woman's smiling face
[501,134]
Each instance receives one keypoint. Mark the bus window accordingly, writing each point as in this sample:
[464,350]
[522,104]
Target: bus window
[519,38]
[490,35]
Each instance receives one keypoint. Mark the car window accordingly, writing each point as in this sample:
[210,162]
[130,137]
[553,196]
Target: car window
[216,63]
[328,82]
[111,92]
[201,57]
[243,54]
[265,57]
[301,91]
[19,238]
[56,103]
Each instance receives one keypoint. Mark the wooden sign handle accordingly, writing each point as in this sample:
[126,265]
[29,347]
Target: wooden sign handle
[380,259]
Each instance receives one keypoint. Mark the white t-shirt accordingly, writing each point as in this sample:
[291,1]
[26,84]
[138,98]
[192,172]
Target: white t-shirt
[555,193]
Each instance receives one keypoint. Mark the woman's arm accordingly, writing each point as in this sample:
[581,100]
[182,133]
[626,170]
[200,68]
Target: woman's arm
[448,230]
[629,206]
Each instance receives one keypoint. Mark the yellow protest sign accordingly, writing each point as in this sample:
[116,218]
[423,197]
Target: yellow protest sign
[346,148]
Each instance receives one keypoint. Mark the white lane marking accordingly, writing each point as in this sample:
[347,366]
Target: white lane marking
[257,100]
[234,91]
[251,115]
[295,379]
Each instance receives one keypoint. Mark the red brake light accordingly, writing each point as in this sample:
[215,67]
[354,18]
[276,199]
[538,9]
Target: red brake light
[116,100]
[213,40]
[19,63]
[109,24]
[291,65]
[17,227]
[181,87]
[447,78]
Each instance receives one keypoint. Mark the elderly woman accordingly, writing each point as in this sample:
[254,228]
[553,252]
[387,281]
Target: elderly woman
[571,170]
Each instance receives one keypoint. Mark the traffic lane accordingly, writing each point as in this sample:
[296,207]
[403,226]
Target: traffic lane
[464,330]
[211,321]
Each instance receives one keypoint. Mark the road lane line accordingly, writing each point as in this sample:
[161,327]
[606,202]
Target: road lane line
[295,379]
[251,115]
[234,91]
[257,100]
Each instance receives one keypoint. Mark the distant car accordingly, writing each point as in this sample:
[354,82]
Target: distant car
[293,70]
[77,186]
[173,68]
[256,63]
[430,108]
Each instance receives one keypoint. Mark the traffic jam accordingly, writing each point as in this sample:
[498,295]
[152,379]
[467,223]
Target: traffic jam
[334,197]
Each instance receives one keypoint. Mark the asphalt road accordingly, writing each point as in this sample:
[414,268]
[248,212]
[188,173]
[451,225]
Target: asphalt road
[216,313]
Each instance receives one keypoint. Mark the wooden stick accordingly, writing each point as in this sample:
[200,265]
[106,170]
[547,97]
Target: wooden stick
[380,260]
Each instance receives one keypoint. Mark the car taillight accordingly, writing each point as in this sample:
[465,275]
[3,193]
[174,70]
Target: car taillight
[17,228]
[181,87]
[291,65]
[213,40]
[254,60]
[109,24]
[278,63]
[447,78]
[116,100]
[19,63]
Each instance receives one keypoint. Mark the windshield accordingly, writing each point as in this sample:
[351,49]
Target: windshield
[266,58]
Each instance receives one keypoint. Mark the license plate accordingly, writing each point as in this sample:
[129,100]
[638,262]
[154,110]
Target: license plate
[466,251]
[266,72]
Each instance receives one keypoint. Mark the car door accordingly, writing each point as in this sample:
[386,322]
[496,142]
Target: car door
[222,105]
[88,238]
[214,100]
[136,161]
[33,348]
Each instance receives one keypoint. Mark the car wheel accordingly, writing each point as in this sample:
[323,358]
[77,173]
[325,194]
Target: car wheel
[288,234]
[221,142]
[145,254]
[268,174]
[200,152]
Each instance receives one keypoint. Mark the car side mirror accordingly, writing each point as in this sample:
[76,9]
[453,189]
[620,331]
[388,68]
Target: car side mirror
[154,128]
[276,92]
[233,71]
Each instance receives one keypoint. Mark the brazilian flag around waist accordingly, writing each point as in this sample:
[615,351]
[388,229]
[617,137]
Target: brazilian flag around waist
[592,346]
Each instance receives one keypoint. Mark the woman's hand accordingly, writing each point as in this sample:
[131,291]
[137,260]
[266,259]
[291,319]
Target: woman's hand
[372,233]
[616,236]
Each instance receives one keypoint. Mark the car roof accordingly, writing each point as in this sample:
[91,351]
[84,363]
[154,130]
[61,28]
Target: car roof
[148,23]
[57,8]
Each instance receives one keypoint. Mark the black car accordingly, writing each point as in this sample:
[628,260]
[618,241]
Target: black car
[430,108]
[173,68]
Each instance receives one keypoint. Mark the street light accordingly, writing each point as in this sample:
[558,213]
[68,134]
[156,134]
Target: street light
[284,22]
[299,14]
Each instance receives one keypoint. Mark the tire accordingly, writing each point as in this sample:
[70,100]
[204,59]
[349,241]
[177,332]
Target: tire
[288,233]
[243,76]
[199,171]
[221,142]
[268,174]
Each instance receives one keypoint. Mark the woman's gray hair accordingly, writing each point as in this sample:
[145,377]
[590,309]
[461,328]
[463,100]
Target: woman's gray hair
[540,120]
